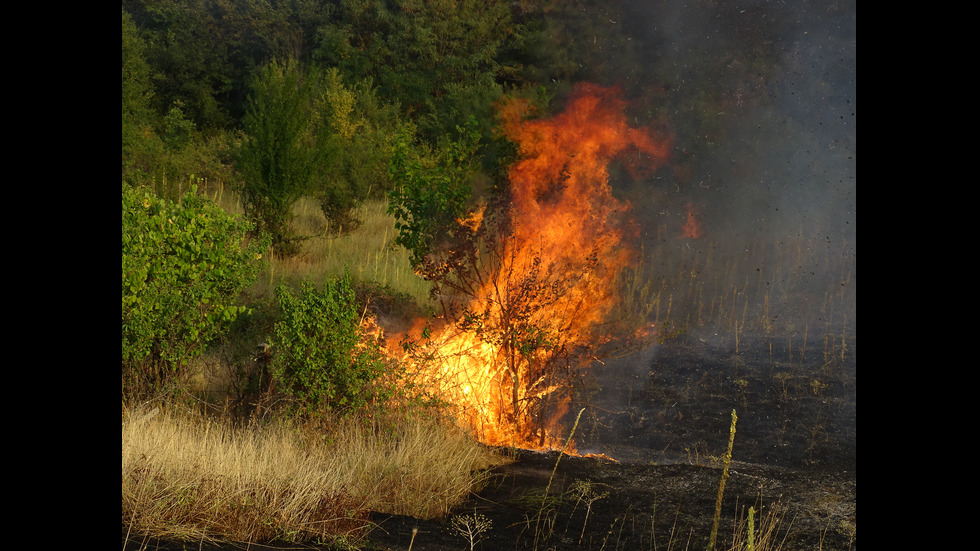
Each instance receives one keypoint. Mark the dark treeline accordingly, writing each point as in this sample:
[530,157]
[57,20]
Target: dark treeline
[430,57]
[189,64]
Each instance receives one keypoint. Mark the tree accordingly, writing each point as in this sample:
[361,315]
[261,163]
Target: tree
[282,153]
[188,50]
[510,298]
[361,131]
[439,60]
[431,192]
[141,146]
[309,134]
[137,91]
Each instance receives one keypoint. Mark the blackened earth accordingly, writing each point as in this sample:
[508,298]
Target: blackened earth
[663,416]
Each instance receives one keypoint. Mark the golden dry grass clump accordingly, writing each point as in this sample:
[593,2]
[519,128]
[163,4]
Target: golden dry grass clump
[368,252]
[187,477]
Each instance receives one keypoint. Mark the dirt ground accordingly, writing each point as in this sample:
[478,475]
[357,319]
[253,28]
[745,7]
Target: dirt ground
[663,417]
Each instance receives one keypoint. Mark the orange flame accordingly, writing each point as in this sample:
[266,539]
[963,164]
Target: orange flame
[692,228]
[554,275]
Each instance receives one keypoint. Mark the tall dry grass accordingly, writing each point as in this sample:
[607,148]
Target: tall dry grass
[794,291]
[187,477]
[761,528]
[368,252]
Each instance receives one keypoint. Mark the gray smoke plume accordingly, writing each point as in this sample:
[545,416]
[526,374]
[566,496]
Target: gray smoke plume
[760,97]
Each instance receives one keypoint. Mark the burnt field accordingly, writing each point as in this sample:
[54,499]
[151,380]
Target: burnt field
[661,419]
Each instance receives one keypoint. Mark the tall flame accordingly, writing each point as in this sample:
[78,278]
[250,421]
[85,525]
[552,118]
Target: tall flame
[553,273]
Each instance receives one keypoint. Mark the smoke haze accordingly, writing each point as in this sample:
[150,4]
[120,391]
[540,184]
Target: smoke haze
[760,99]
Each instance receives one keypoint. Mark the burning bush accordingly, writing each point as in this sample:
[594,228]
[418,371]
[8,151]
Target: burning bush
[526,280]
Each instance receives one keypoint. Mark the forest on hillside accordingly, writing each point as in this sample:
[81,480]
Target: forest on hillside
[203,80]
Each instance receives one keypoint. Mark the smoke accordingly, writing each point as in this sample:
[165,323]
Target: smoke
[760,98]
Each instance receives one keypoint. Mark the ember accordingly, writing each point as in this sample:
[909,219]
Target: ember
[692,228]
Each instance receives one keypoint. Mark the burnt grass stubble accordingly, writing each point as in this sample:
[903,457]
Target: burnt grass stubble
[663,416]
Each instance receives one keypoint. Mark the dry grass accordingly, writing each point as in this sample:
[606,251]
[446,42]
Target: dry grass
[762,531]
[368,252]
[189,478]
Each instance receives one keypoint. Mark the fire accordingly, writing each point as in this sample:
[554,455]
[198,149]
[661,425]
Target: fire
[530,311]
[692,228]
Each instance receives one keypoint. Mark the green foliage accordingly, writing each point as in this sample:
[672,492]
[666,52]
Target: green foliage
[178,130]
[320,358]
[137,91]
[158,149]
[184,265]
[307,133]
[360,131]
[188,63]
[189,68]
[282,153]
[203,52]
[431,192]
[438,59]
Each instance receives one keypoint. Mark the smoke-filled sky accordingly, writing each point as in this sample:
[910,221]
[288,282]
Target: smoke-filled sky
[760,99]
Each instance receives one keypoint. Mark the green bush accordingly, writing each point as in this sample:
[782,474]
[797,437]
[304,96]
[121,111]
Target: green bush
[184,265]
[321,358]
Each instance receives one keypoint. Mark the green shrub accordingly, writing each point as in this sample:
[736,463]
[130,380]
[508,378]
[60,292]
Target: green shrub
[321,358]
[306,133]
[184,265]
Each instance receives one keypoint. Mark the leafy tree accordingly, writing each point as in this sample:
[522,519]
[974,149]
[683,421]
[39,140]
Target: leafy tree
[360,130]
[307,133]
[282,154]
[189,56]
[184,265]
[137,92]
[526,304]
[321,359]
[161,147]
[203,53]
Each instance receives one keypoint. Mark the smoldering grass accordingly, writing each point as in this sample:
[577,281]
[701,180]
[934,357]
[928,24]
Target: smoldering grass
[775,289]
[546,516]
